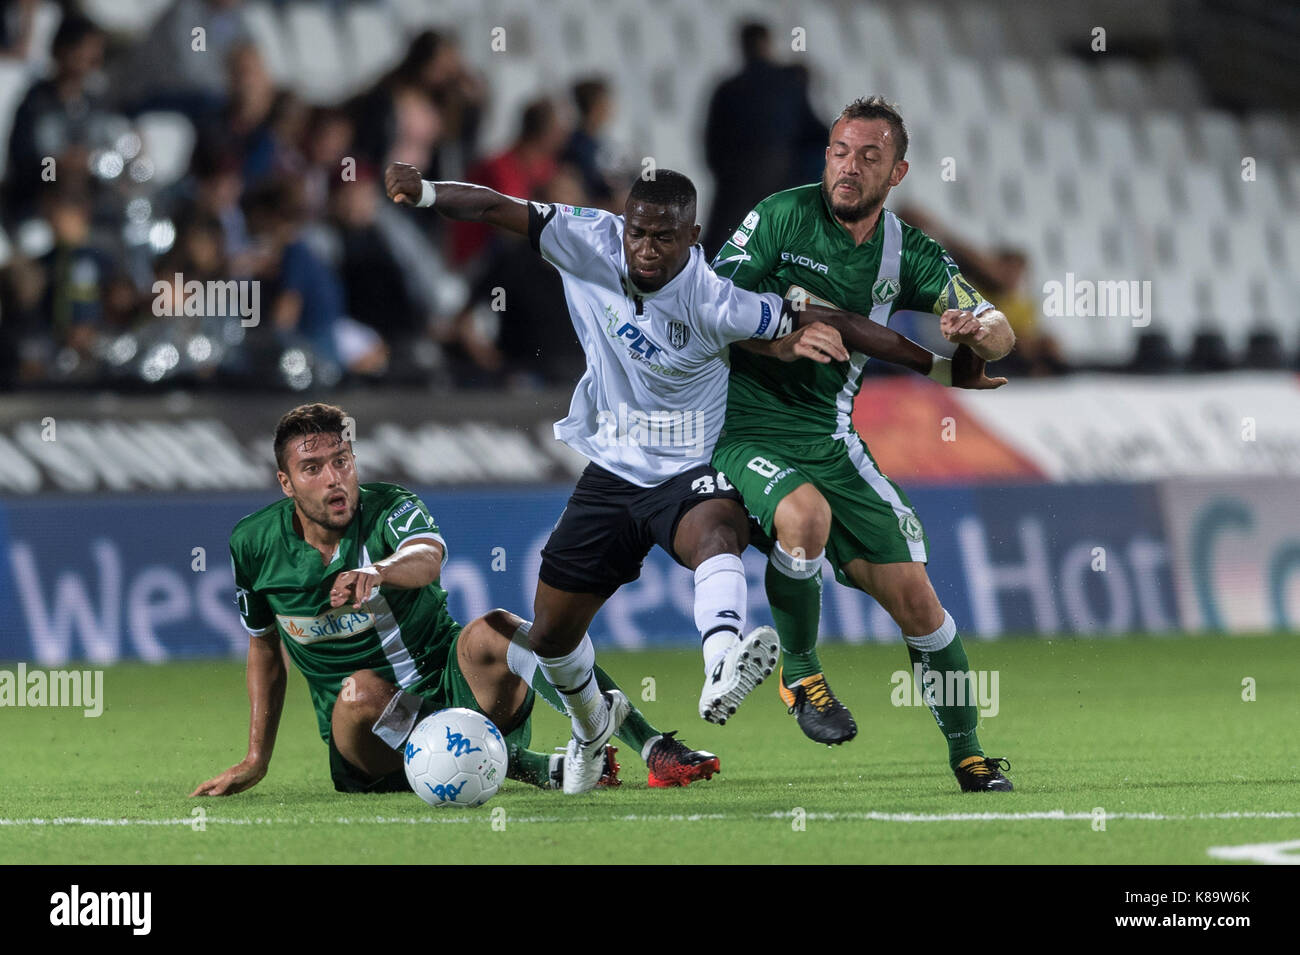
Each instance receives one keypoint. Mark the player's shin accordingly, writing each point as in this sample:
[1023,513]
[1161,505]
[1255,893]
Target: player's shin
[794,592]
[720,599]
[636,730]
[939,662]
[573,675]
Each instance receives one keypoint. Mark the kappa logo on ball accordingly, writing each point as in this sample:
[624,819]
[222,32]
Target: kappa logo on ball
[678,334]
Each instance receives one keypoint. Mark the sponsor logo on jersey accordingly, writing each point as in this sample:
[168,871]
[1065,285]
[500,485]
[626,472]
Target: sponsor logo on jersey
[582,212]
[910,525]
[884,290]
[639,347]
[678,334]
[765,319]
[751,220]
[416,519]
[798,297]
[739,238]
[338,623]
[806,262]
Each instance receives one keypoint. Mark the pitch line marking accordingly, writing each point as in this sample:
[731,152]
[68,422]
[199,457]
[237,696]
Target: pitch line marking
[1054,815]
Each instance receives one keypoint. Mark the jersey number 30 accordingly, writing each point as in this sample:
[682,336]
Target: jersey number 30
[704,485]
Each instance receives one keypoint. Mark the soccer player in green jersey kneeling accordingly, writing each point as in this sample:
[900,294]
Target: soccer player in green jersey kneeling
[788,443]
[346,574]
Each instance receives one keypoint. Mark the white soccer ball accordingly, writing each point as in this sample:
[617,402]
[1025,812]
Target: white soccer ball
[455,757]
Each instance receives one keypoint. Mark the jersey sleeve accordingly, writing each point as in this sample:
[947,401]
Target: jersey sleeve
[933,283]
[751,253]
[406,520]
[254,611]
[572,238]
[726,313]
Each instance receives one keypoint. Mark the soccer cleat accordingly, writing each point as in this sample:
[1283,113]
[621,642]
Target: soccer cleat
[822,717]
[584,762]
[672,763]
[608,779]
[744,666]
[983,774]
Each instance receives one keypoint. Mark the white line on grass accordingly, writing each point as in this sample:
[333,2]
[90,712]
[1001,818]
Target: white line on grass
[1054,815]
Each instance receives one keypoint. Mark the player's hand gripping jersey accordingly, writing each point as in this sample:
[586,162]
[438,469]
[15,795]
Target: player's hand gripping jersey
[791,245]
[404,635]
[652,401]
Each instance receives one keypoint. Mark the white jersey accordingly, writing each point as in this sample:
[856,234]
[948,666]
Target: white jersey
[652,401]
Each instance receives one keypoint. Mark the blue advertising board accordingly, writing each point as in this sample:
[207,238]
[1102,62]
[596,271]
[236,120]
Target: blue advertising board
[148,576]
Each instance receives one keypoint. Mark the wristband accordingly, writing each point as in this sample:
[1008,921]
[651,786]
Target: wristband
[427,194]
[941,371]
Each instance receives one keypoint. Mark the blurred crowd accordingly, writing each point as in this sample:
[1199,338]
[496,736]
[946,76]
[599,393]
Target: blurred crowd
[108,260]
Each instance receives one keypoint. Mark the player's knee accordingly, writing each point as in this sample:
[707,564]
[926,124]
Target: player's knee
[803,519]
[363,695]
[483,642]
[917,610]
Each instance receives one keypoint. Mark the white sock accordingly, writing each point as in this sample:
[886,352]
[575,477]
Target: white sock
[522,663]
[934,642]
[720,599]
[574,676]
[796,568]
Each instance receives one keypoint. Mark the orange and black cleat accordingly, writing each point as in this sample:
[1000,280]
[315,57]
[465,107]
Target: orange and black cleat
[672,763]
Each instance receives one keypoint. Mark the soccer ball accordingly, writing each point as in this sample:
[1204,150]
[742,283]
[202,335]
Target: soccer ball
[455,757]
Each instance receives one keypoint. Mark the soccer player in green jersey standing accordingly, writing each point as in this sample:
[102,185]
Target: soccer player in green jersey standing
[788,443]
[347,573]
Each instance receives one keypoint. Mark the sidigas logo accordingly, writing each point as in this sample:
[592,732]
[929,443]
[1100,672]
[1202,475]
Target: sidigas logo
[341,622]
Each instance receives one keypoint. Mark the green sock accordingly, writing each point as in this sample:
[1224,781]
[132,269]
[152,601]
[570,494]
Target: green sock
[529,767]
[636,730]
[958,723]
[796,609]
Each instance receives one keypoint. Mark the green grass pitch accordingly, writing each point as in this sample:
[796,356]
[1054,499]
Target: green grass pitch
[1154,731]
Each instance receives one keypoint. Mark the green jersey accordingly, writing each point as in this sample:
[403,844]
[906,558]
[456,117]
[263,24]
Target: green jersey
[792,245]
[282,584]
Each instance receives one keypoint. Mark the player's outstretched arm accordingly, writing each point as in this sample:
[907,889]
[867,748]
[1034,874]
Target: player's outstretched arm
[417,563]
[456,200]
[874,340]
[267,679]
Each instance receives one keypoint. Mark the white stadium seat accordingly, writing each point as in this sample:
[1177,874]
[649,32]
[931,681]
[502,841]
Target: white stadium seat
[1020,87]
[272,42]
[168,141]
[373,46]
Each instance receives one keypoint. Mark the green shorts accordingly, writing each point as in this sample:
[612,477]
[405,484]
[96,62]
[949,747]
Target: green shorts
[871,517]
[440,692]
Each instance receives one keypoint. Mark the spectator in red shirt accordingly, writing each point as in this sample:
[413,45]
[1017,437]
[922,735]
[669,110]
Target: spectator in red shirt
[525,169]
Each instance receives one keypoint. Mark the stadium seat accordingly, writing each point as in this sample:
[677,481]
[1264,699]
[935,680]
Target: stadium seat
[272,41]
[928,32]
[979,32]
[1163,137]
[323,73]
[1019,87]
[1174,85]
[373,47]
[1109,139]
[1072,85]
[875,33]
[131,19]
[1269,135]
[1220,137]
[1122,84]
[168,141]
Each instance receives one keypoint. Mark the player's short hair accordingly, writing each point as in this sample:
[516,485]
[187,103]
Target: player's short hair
[877,107]
[667,188]
[304,420]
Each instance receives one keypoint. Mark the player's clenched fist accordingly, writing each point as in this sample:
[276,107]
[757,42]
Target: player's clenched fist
[962,328]
[357,586]
[817,341]
[968,371]
[403,183]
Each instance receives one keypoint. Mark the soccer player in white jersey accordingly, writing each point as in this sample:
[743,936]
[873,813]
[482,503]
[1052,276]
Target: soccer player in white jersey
[655,323]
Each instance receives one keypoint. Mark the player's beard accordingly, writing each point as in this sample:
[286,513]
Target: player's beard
[319,512]
[855,211]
